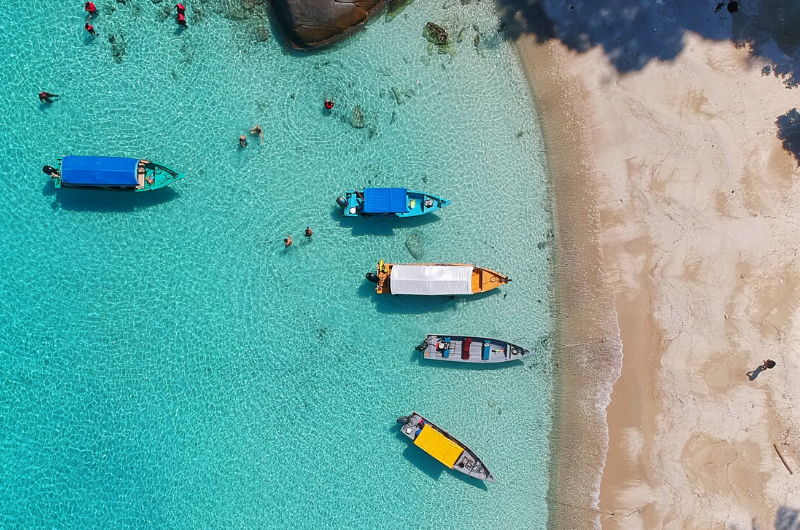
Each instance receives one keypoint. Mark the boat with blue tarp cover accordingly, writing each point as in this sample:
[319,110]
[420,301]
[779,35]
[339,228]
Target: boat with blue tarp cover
[111,173]
[464,349]
[389,202]
[444,447]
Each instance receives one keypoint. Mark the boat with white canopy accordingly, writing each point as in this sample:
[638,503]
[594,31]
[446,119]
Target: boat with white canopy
[434,279]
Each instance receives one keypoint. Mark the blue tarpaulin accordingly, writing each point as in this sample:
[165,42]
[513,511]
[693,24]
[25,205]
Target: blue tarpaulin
[99,171]
[385,200]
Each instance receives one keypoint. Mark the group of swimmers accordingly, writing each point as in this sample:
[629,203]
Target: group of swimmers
[255,131]
[91,12]
[287,241]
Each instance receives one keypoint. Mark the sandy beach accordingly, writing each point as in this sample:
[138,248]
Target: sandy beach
[676,209]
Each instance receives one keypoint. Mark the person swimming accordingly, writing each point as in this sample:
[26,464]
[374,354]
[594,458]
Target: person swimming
[257,130]
[88,27]
[47,97]
[328,104]
[287,241]
[51,171]
[243,141]
[308,232]
[90,9]
[180,18]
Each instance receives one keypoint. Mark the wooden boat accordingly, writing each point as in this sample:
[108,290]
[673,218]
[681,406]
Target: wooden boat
[444,447]
[116,174]
[389,202]
[458,348]
[435,279]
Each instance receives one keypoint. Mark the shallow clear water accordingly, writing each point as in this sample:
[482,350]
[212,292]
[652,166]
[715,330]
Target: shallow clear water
[165,362]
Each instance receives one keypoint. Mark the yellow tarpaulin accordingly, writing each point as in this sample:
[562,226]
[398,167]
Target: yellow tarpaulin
[438,446]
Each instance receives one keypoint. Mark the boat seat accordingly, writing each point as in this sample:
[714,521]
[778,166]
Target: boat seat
[486,346]
[465,348]
[446,348]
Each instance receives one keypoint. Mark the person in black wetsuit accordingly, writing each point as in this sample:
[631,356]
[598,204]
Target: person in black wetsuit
[51,171]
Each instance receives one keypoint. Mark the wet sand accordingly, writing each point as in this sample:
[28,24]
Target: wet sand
[677,213]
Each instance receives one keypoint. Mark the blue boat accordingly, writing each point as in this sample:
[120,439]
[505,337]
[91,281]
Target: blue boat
[389,202]
[108,173]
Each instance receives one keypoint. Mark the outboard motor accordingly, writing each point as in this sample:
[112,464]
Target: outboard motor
[403,419]
[341,201]
[371,276]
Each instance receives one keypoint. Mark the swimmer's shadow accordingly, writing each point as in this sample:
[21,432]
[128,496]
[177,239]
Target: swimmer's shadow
[428,465]
[381,226]
[81,200]
[409,304]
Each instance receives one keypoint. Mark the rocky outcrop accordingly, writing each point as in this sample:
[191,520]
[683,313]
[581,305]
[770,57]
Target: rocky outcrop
[315,23]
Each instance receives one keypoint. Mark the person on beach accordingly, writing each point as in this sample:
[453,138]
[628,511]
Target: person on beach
[243,141]
[51,171]
[47,97]
[767,364]
[308,232]
[287,241]
[88,27]
[328,104]
[90,9]
[257,131]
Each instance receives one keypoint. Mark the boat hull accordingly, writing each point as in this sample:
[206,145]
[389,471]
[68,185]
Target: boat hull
[481,279]
[153,177]
[419,203]
[467,462]
[464,349]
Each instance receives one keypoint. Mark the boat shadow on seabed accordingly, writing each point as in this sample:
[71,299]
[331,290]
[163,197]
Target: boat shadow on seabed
[78,200]
[428,465]
[380,226]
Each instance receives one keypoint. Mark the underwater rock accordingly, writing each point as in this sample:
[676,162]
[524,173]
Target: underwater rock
[316,23]
[398,96]
[118,47]
[415,245]
[476,40]
[435,34]
[394,7]
[357,118]
[262,34]
[461,34]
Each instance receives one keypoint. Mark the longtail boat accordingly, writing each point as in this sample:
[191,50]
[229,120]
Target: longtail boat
[435,279]
[109,173]
[463,349]
[389,202]
[444,447]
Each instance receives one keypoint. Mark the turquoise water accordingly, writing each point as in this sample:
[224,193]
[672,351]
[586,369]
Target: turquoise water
[166,363]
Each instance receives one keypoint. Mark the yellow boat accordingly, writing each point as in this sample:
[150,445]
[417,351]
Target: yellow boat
[435,279]
[444,447]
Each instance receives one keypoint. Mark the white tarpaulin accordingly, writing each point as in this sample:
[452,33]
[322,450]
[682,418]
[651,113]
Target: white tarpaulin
[431,279]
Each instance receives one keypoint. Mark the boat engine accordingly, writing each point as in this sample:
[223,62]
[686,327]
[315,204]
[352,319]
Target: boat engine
[371,276]
[403,419]
[341,201]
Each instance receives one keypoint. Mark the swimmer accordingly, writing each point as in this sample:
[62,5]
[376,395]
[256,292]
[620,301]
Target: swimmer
[243,141]
[88,27]
[257,130]
[47,97]
[180,18]
[51,171]
[308,232]
[328,104]
[287,241]
[90,9]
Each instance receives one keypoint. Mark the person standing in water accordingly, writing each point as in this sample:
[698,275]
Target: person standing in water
[88,27]
[308,232]
[180,17]
[90,9]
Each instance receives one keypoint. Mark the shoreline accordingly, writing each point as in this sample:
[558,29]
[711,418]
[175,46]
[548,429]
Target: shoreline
[675,208]
[587,350]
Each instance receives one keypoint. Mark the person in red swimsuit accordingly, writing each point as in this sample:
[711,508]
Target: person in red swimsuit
[328,104]
[90,9]
[88,27]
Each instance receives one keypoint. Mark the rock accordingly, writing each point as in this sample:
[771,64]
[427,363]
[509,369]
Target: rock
[394,7]
[398,96]
[357,118]
[262,34]
[316,23]
[415,245]
[461,34]
[435,34]
[476,40]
